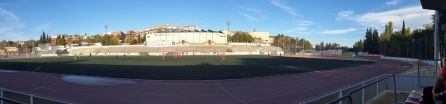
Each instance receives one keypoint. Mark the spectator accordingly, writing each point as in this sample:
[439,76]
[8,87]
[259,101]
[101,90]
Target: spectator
[439,89]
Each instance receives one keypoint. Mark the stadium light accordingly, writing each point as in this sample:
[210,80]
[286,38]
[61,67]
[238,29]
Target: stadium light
[106,30]
[295,47]
[303,45]
[228,23]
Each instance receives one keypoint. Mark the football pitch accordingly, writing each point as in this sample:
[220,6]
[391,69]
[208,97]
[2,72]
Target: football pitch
[183,68]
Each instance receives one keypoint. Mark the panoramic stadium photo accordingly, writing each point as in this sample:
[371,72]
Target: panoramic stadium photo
[222,52]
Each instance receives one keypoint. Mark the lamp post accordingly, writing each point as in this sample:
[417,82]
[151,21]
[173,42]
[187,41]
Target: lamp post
[227,35]
[106,30]
[436,38]
[295,45]
[290,43]
[413,48]
[303,45]
[407,53]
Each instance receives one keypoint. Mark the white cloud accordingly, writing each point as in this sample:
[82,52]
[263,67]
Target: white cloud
[338,31]
[300,27]
[304,23]
[414,16]
[345,15]
[252,10]
[41,28]
[290,10]
[9,21]
[252,14]
[393,2]
[250,17]
[9,26]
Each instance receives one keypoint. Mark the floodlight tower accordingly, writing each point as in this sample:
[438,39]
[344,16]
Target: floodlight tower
[106,30]
[303,45]
[295,44]
[228,24]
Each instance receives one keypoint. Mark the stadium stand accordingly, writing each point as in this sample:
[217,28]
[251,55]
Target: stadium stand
[136,49]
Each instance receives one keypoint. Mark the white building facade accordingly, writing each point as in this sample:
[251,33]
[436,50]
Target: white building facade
[167,34]
[172,35]
[187,37]
[263,36]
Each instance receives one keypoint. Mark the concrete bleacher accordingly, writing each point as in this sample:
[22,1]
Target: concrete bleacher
[240,49]
[136,49]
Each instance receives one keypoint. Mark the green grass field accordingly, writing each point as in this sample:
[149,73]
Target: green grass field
[185,68]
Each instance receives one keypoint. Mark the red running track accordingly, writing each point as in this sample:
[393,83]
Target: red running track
[282,89]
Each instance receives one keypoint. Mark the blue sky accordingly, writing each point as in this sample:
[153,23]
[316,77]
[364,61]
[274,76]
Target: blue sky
[341,21]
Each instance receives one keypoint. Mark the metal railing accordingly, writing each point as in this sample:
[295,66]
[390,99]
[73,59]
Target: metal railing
[367,90]
[13,97]
[378,81]
[362,92]
[349,97]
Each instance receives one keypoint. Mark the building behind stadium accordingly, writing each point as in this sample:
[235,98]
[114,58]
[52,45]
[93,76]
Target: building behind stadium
[182,35]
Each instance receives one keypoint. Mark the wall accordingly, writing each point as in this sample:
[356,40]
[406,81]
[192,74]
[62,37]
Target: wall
[264,36]
[189,37]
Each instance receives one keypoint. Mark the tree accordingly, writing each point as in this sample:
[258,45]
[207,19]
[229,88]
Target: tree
[371,41]
[3,44]
[403,30]
[425,41]
[400,43]
[69,41]
[97,38]
[143,39]
[48,39]
[34,43]
[305,44]
[388,31]
[60,40]
[88,40]
[43,38]
[242,37]
[106,40]
[329,46]
[291,44]
[133,36]
[320,46]
[368,40]
[128,39]
[384,39]
[277,39]
[358,46]
[115,40]
[375,42]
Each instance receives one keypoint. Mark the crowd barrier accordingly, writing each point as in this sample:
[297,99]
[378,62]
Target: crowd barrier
[161,53]
[426,62]
[11,56]
[13,97]
[365,91]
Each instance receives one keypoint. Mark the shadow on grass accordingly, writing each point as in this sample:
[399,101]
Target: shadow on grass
[249,67]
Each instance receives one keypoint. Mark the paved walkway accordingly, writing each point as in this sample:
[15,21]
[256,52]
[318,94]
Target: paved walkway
[283,89]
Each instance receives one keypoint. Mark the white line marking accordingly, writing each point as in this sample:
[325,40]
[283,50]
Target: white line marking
[229,93]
